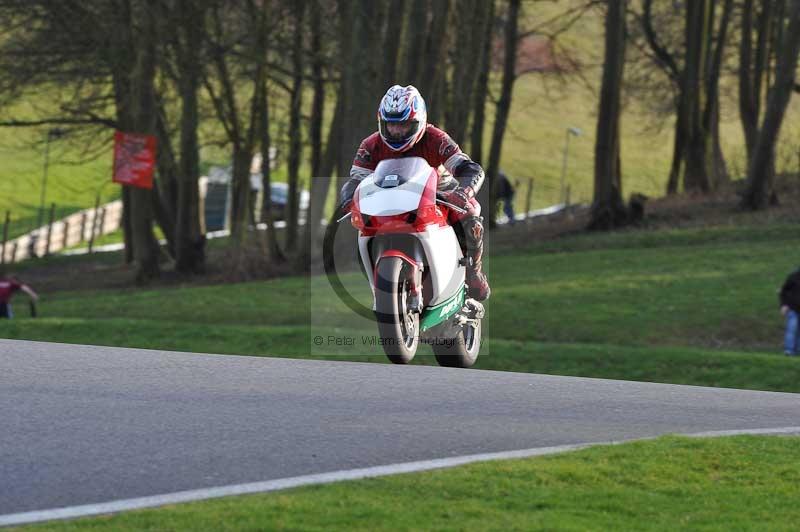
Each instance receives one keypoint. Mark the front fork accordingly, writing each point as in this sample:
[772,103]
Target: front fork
[414,302]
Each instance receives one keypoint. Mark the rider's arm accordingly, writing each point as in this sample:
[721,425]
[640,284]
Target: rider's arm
[467,172]
[28,290]
[363,165]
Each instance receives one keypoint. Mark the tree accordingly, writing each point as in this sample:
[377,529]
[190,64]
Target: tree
[238,66]
[608,209]
[132,58]
[358,93]
[320,179]
[482,83]
[295,134]
[753,69]
[188,42]
[693,68]
[761,169]
[106,52]
[391,37]
[503,107]
[468,45]
[432,76]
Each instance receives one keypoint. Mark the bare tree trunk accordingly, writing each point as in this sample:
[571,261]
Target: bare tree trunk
[667,62]
[760,174]
[433,70]
[165,189]
[359,76]
[415,41]
[127,228]
[190,244]
[467,48]
[608,209]
[482,84]
[679,148]
[295,140]
[721,175]
[698,162]
[240,133]
[135,43]
[274,249]
[711,110]
[320,183]
[391,38]
[753,68]
[240,192]
[318,104]
[144,121]
[487,193]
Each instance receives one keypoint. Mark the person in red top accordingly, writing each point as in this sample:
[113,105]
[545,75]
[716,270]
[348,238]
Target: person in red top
[403,131]
[8,286]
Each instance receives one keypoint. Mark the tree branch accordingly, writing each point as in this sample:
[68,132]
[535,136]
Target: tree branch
[60,121]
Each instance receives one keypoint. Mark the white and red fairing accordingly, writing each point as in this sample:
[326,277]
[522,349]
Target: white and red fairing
[399,197]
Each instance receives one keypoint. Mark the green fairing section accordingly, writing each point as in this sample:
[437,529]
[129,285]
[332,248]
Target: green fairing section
[433,316]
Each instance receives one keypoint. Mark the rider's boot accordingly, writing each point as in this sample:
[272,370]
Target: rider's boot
[477,284]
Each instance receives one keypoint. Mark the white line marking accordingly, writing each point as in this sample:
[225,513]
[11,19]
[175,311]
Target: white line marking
[72,512]
[757,432]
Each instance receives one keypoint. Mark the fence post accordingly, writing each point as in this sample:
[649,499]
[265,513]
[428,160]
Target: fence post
[5,237]
[94,222]
[101,229]
[567,209]
[14,252]
[83,227]
[65,238]
[528,198]
[50,228]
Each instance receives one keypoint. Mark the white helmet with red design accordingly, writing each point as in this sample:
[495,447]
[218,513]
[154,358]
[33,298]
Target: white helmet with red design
[402,117]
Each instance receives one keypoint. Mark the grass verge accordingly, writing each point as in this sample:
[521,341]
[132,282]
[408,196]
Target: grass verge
[741,483]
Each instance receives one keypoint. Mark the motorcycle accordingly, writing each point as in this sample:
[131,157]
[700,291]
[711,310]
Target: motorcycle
[415,265]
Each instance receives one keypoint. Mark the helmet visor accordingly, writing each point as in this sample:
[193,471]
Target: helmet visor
[398,132]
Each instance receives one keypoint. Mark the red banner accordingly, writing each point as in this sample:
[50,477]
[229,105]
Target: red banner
[134,159]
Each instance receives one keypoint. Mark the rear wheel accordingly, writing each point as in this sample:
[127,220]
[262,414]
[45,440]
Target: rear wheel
[460,351]
[397,325]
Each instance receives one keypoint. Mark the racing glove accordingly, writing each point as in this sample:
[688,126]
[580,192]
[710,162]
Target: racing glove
[460,197]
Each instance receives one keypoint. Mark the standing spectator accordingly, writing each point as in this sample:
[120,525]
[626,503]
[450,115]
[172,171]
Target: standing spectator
[9,285]
[790,308]
[505,192]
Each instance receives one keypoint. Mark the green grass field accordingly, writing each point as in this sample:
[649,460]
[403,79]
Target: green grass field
[694,306]
[740,483]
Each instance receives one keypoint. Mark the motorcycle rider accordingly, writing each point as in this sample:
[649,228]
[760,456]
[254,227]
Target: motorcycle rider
[403,131]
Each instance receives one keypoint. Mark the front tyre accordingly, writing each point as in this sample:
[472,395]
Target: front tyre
[398,327]
[461,351]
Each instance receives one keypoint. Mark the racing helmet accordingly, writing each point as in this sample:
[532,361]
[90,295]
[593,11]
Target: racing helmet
[402,117]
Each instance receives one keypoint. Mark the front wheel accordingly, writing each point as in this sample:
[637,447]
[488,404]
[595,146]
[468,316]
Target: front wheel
[460,351]
[398,327]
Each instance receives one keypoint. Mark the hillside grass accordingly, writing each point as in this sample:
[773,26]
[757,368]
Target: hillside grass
[543,107]
[738,483]
[71,186]
[691,306]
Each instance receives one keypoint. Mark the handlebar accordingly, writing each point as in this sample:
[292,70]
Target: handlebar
[438,199]
[450,205]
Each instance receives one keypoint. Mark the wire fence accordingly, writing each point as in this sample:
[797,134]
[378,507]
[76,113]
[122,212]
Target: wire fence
[83,226]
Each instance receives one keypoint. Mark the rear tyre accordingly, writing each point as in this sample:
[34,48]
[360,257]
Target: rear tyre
[460,351]
[397,326]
